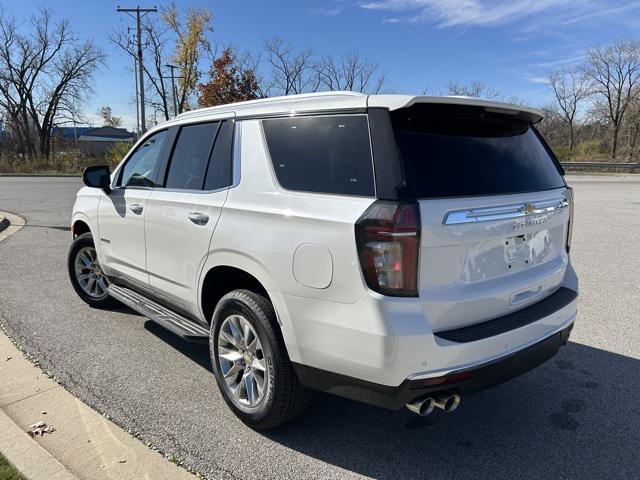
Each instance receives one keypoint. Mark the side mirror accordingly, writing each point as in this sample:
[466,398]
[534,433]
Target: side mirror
[98,176]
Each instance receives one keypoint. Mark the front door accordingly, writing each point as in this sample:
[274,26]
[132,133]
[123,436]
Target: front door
[121,214]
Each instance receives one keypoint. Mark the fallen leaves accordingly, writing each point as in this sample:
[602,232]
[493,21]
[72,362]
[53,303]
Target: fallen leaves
[40,428]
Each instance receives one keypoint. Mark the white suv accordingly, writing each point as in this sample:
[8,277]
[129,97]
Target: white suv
[392,249]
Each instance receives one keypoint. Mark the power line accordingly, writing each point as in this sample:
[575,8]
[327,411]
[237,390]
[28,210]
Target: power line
[139,14]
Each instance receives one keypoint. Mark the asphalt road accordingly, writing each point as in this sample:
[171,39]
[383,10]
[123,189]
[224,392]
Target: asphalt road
[577,416]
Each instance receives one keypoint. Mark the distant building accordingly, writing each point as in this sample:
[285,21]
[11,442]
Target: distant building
[70,134]
[93,140]
[96,141]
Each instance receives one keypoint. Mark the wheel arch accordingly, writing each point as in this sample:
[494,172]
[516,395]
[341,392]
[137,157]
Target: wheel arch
[245,272]
[81,223]
[79,227]
[222,279]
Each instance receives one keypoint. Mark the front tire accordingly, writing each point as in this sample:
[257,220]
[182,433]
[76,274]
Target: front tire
[86,274]
[250,362]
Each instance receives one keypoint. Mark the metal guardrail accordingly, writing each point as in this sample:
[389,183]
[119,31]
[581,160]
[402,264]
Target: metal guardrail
[600,165]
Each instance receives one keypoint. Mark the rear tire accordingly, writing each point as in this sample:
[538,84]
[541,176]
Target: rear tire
[260,387]
[86,275]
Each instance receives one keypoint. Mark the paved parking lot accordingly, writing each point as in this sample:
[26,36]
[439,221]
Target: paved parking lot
[578,416]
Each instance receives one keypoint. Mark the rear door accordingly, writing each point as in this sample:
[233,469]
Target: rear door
[183,213]
[494,211]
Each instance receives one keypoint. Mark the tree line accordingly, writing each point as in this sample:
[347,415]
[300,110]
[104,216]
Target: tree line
[278,68]
[47,71]
[596,104]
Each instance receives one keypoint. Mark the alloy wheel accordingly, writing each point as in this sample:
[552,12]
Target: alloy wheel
[242,361]
[89,274]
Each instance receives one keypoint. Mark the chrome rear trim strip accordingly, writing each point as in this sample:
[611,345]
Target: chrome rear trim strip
[505,212]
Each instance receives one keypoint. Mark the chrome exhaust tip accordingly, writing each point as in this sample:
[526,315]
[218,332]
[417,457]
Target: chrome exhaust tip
[446,401]
[423,406]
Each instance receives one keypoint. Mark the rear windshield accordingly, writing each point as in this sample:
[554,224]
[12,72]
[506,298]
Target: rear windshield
[465,151]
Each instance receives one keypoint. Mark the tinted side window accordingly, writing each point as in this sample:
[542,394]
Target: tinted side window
[219,171]
[190,156]
[329,154]
[142,166]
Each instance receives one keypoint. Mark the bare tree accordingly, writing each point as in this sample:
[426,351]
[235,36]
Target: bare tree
[614,73]
[632,123]
[44,69]
[170,39]
[155,58]
[570,88]
[107,117]
[350,72]
[250,62]
[291,71]
[476,89]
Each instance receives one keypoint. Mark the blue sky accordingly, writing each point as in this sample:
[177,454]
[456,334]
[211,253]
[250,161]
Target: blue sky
[509,45]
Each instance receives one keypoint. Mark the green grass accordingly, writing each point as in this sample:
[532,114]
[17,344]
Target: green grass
[7,472]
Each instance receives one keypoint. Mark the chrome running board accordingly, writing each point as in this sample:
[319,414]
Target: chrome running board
[172,321]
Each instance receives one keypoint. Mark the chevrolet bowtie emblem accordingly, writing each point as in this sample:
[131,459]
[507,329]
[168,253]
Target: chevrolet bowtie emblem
[528,209]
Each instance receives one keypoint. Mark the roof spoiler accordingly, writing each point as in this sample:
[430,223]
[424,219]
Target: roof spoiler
[395,102]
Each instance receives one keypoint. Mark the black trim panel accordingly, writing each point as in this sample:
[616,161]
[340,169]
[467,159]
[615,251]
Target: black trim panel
[386,161]
[561,298]
[480,378]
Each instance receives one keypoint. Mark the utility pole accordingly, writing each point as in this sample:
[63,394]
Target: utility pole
[135,77]
[173,89]
[139,14]
[135,70]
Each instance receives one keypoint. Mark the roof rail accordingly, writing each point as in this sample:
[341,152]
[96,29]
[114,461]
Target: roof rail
[266,101]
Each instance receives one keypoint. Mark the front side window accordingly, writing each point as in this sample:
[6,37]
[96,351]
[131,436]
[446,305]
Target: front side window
[323,154]
[142,166]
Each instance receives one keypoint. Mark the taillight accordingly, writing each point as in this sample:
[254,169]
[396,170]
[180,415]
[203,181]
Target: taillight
[570,225]
[388,241]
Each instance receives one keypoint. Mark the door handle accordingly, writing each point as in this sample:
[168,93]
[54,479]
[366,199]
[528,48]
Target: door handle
[198,218]
[136,208]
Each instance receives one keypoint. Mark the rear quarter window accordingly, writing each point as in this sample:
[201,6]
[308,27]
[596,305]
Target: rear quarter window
[465,151]
[323,154]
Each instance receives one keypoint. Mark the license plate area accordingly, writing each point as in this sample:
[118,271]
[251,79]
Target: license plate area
[516,248]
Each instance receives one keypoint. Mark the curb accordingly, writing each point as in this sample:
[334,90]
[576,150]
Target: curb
[27,456]
[4,222]
[84,444]
[10,224]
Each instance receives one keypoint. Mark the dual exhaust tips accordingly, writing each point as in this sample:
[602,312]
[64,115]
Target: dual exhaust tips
[423,406]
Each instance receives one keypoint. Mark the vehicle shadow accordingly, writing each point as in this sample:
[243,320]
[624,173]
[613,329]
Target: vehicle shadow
[63,228]
[197,352]
[577,416]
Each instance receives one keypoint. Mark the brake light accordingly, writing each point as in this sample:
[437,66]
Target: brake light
[570,225]
[388,242]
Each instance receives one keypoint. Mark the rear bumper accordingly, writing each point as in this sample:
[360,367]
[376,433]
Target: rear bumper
[464,381]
